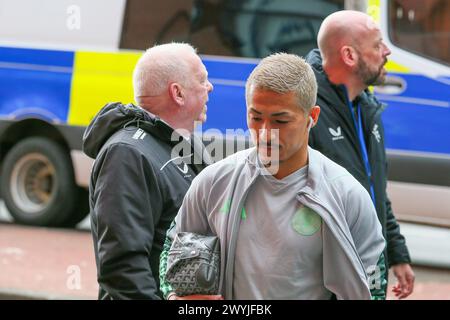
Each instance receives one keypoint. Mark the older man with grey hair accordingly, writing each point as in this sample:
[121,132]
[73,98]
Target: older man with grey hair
[137,183]
[292,224]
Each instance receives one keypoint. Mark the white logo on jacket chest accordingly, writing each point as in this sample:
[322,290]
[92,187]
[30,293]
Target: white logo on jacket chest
[182,167]
[336,134]
[179,164]
[376,133]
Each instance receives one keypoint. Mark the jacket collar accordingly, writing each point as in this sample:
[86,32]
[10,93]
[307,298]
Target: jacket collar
[315,172]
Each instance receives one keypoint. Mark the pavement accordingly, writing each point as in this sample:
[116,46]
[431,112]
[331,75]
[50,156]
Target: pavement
[43,263]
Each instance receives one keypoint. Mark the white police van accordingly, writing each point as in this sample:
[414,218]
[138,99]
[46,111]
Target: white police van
[62,60]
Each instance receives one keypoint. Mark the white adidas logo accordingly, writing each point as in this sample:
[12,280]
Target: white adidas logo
[337,134]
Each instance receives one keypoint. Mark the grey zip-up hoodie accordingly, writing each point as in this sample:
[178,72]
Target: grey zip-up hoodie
[352,243]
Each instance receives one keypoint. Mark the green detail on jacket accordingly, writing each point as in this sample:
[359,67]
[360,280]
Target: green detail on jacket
[226,207]
[164,286]
[378,280]
[243,214]
[306,222]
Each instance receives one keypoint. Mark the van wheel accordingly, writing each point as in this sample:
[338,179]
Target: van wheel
[38,184]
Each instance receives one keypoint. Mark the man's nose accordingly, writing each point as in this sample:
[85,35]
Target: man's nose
[267,133]
[210,86]
[264,133]
[387,51]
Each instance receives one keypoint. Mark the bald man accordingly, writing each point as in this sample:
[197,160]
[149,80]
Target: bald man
[351,57]
[137,182]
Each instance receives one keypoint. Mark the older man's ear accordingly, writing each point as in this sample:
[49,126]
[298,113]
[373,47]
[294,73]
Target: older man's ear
[176,93]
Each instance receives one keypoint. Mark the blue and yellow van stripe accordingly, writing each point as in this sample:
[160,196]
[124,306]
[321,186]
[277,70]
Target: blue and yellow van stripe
[35,83]
[64,87]
[99,78]
[68,88]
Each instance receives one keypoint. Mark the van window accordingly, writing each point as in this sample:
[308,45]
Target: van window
[422,27]
[244,28]
[256,28]
[147,23]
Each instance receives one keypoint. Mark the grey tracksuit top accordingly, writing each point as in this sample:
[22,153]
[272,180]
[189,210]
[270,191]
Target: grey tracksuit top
[352,240]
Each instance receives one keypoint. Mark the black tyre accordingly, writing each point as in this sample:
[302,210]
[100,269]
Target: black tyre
[38,184]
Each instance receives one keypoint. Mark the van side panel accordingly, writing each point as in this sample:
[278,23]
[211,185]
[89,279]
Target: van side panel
[35,83]
[418,118]
[99,78]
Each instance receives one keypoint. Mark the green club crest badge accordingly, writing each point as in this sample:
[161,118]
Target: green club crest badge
[306,222]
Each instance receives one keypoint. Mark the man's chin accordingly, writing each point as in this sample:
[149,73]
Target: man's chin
[201,118]
[380,80]
[272,166]
[268,160]
[382,76]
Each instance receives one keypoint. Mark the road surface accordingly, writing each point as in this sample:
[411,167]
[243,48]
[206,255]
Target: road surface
[41,263]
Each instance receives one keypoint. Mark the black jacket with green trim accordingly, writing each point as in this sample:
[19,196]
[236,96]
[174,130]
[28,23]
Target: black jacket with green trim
[137,186]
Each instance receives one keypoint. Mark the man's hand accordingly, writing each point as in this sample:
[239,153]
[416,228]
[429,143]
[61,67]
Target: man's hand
[173,296]
[405,280]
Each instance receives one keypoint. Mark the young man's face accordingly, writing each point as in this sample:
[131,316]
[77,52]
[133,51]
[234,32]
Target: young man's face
[279,127]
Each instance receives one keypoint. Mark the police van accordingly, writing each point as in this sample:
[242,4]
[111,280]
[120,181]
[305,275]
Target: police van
[62,60]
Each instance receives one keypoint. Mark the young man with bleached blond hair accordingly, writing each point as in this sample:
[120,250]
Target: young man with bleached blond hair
[292,224]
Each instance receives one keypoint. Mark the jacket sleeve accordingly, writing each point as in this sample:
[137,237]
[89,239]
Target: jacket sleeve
[378,280]
[397,250]
[367,235]
[127,206]
[191,217]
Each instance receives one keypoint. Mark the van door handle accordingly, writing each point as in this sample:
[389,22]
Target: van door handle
[393,85]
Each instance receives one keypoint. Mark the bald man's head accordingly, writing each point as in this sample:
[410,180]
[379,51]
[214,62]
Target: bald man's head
[353,51]
[343,28]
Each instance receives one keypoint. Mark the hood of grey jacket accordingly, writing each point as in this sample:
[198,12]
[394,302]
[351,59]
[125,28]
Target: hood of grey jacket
[228,181]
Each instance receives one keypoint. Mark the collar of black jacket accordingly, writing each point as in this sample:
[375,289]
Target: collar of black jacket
[115,116]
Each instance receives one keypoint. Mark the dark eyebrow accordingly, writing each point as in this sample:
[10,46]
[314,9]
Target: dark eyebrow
[276,114]
[255,111]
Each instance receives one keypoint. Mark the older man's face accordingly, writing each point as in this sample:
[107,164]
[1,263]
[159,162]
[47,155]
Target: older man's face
[197,91]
